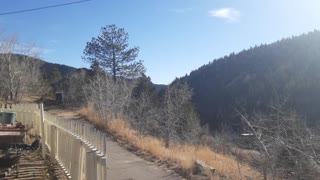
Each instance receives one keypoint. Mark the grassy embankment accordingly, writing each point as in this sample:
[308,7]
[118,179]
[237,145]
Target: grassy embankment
[182,156]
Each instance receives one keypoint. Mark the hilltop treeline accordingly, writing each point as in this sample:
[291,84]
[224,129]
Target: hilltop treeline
[284,72]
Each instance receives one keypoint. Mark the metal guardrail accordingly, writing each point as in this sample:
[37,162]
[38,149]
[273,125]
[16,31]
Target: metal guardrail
[77,145]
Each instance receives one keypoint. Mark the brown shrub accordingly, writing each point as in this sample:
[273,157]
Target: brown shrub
[181,155]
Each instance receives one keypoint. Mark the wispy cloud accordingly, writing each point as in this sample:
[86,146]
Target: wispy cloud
[228,14]
[180,10]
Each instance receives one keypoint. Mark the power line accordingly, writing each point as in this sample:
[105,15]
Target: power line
[44,7]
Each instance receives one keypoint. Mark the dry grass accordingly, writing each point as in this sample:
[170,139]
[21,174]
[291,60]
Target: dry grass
[91,115]
[67,113]
[183,155]
[29,98]
[243,155]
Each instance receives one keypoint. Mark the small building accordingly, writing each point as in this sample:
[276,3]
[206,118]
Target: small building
[59,97]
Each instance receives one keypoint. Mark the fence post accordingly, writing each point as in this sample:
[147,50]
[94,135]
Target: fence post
[91,165]
[79,148]
[103,161]
[83,167]
[43,138]
[76,150]
[53,142]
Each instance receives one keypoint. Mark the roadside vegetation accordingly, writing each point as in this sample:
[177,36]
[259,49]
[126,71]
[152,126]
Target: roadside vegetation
[179,156]
[162,123]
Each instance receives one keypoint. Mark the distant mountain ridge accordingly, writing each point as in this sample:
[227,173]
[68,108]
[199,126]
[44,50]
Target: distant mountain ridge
[287,72]
[64,69]
[47,67]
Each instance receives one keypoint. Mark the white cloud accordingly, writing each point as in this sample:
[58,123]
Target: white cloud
[229,14]
[180,10]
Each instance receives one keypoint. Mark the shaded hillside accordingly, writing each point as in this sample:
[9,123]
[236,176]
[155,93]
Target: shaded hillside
[46,67]
[287,71]
[159,88]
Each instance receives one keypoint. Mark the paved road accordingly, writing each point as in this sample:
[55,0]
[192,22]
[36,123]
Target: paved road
[122,164]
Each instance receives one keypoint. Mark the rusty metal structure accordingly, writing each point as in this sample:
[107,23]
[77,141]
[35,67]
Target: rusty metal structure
[11,132]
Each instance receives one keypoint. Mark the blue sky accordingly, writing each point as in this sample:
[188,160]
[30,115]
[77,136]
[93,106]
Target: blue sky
[174,36]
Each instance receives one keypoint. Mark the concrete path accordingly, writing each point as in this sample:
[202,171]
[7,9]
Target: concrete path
[124,165]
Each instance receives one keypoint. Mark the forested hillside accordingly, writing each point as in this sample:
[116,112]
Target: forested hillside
[47,68]
[285,72]
[63,69]
[22,75]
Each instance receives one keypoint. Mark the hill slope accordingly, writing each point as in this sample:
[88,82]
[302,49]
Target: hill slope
[46,67]
[287,71]
[49,67]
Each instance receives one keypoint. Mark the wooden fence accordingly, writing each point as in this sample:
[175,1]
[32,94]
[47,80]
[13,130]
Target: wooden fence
[77,145]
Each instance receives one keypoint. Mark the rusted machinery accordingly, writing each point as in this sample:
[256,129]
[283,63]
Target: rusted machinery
[11,132]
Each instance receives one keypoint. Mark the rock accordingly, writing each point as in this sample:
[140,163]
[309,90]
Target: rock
[203,168]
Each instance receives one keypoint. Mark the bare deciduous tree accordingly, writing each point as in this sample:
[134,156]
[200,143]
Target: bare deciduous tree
[75,88]
[180,122]
[288,148]
[111,98]
[144,114]
[19,72]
